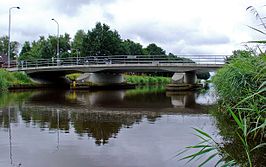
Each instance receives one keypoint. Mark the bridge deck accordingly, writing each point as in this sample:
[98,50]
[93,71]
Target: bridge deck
[129,63]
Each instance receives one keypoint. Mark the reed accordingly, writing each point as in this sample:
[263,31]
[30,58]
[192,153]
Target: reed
[241,87]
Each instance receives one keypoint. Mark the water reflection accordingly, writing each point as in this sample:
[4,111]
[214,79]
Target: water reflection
[182,99]
[59,110]
[99,116]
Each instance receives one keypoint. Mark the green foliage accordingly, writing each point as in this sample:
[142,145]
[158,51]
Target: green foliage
[206,146]
[132,48]
[3,83]
[8,79]
[101,41]
[153,49]
[240,78]
[14,45]
[143,79]
[77,43]
[241,85]
[203,75]
[145,90]
[22,77]
[46,48]
[73,77]
[25,48]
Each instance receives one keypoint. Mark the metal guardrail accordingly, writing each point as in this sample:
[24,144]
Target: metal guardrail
[124,59]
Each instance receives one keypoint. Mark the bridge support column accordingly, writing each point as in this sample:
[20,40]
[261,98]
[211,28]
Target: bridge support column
[190,77]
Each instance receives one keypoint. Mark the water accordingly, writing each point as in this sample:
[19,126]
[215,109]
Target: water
[126,128]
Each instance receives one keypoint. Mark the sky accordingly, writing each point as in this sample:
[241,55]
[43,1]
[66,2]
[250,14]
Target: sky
[178,26]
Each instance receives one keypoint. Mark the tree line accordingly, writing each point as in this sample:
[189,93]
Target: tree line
[100,41]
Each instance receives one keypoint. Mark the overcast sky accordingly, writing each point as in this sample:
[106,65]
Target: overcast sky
[178,26]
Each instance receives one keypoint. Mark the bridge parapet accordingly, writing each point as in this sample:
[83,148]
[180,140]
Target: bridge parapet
[125,59]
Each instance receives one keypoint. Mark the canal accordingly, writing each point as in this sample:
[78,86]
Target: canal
[142,127]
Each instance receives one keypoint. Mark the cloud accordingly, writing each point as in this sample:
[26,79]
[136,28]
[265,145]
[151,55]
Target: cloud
[209,26]
[207,39]
[72,7]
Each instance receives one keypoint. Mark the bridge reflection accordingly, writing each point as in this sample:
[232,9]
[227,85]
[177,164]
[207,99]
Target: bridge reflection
[98,115]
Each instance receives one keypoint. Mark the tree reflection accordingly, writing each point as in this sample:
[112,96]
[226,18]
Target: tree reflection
[7,116]
[45,118]
[99,125]
[102,126]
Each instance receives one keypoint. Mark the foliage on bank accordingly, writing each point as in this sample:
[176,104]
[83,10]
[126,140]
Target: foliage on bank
[148,80]
[8,79]
[73,77]
[241,86]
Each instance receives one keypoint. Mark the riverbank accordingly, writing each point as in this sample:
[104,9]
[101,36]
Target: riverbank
[12,80]
[241,86]
[130,82]
[146,80]
[240,114]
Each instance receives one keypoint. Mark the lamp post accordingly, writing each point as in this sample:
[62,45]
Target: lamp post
[9,27]
[57,49]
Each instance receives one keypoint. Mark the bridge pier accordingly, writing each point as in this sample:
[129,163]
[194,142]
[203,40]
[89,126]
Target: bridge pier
[188,77]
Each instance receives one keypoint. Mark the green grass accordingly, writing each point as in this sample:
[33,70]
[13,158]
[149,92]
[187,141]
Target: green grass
[8,79]
[146,80]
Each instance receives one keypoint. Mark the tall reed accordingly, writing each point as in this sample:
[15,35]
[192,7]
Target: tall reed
[241,86]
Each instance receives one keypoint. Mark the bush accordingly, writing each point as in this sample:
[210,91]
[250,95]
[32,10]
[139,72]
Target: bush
[241,85]
[73,76]
[8,78]
[3,84]
[241,77]
[22,77]
[203,75]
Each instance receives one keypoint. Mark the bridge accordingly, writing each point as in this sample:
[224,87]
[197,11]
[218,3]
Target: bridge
[103,66]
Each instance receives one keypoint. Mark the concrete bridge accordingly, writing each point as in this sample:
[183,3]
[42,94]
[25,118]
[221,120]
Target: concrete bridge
[108,69]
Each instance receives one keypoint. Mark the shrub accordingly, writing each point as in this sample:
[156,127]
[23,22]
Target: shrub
[8,78]
[73,76]
[22,77]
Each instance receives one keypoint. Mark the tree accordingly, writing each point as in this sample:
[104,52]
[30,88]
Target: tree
[25,48]
[14,45]
[76,44]
[64,45]
[46,48]
[25,52]
[101,41]
[153,49]
[132,48]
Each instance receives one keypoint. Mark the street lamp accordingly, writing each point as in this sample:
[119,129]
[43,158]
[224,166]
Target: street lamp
[9,26]
[57,50]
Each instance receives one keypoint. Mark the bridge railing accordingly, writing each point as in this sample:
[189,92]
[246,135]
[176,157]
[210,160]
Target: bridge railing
[124,59]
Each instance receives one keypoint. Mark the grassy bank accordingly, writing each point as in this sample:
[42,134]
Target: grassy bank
[241,86]
[241,113]
[146,80]
[8,79]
